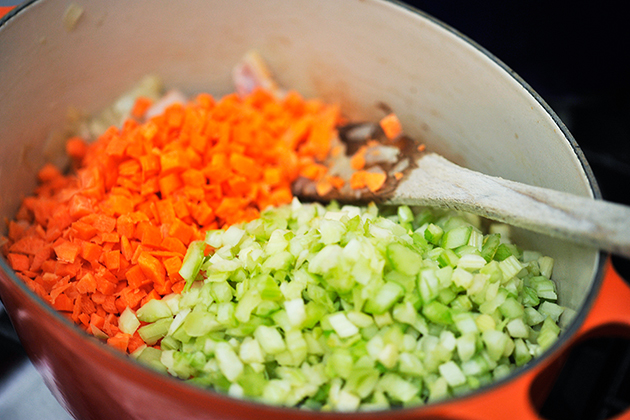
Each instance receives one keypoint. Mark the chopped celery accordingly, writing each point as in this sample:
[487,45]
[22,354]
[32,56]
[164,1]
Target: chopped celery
[384,298]
[193,260]
[154,310]
[404,259]
[128,322]
[433,234]
[490,245]
[456,237]
[351,308]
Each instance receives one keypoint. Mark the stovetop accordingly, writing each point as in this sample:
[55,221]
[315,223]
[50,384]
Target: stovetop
[570,56]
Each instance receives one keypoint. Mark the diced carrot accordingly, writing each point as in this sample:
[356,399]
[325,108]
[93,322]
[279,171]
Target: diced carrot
[76,148]
[67,269]
[80,206]
[179,286]
[131,297]
[314,171]
[116,146]
[150,164]
[19,262]
[109,304]
[105,286]
[165,210]
[97,320]
[140,106]
[152,268]
[82,230]
[129,167]
[391,126]
[181,231]
[357,162]
[172,265]
[116,205]
[91,251]
[323,187]
[149,234]
[28,245]
[203,214]
[174,115]
[163,288]
[135,342]
[126,248]
[109,237]
[337,181]
[112,260]
[125,226]
[172,161]
[87,284]
[169,184]
[375,180]
[119,341]
[67,251]
[135,277]
[48,172]
[357,180]
[174,245]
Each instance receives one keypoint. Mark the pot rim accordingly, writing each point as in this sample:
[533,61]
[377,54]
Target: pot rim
[567,334]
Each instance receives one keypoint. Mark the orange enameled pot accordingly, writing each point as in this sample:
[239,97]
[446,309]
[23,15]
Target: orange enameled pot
[451,93]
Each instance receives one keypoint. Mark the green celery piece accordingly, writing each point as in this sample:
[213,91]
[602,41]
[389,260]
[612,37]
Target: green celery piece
[433,234]
[448,258]
[505,250]
[252,382]
[406,281]
[199,323]
[521,352]
[549,332]
[153,310]
[490,246]
[456,237]
[420,243]
[422,217]
[386,296]
[437,312]
[404,259]
[530,297]
[545,288]
[152,333]
[192,262]
[511,308]
[405,215]
[150,356]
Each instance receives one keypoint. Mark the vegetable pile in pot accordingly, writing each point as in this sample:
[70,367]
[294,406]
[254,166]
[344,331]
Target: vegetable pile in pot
[176,238]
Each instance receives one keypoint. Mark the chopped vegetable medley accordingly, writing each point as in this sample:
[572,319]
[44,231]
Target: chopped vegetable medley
[345,308]
[176,237]
[112,235]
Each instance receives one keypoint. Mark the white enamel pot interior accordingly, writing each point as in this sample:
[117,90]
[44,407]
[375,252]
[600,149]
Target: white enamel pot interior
[450,93]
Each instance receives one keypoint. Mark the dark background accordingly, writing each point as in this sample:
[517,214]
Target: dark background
[575,55]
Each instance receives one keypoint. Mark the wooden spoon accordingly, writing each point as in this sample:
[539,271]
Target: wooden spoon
[432,180]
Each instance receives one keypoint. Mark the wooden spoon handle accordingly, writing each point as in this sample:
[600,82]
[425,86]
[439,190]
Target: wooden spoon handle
[439,182]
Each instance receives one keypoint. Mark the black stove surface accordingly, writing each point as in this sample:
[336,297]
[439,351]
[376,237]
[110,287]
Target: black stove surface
[572,58]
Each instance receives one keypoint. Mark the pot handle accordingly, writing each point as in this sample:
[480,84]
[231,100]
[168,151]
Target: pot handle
[518,399]
[611,309]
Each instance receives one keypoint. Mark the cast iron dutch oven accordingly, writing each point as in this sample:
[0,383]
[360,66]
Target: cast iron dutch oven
[449,92]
